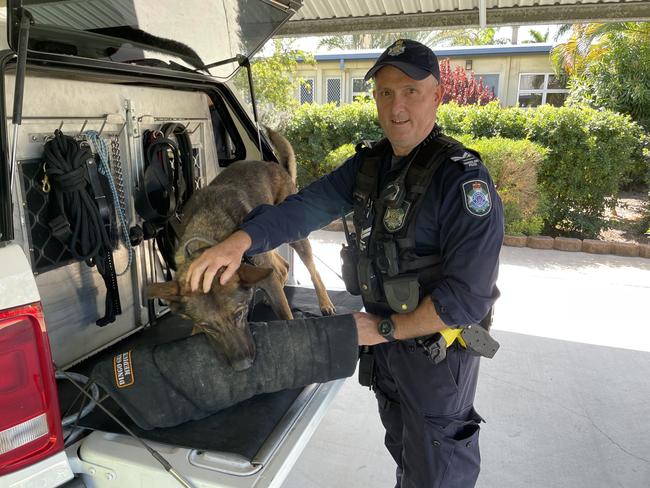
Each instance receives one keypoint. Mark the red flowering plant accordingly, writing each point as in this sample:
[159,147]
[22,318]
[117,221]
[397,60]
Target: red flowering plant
[462,88]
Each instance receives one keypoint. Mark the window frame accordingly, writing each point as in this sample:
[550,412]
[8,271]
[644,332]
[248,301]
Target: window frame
[355,93]
[544,91]
[480,75]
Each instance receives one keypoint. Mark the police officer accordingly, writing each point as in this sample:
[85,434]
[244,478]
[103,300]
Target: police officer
[428,230]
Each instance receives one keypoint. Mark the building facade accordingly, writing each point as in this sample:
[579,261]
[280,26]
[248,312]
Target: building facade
[519,75]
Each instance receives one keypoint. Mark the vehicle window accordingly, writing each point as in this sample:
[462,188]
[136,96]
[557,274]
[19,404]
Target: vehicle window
[230,147]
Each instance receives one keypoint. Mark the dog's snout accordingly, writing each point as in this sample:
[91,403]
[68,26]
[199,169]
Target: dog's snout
[235,343]
[242,364]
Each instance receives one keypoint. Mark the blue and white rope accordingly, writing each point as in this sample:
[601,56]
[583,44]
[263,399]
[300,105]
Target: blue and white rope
[100,148]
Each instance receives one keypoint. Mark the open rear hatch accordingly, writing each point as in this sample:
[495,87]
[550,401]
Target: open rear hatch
[186,35]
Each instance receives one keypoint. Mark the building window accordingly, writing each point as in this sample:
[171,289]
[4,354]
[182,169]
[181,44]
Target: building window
[307,91]
[539,88]
[360,89]
[334,90]
[490,81]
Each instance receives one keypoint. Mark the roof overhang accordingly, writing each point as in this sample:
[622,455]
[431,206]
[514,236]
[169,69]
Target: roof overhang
[317,17]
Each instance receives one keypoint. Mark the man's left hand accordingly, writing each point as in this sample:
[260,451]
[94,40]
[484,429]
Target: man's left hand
[367,329]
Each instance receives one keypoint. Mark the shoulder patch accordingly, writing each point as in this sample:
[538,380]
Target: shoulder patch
[476,197]
[468,159]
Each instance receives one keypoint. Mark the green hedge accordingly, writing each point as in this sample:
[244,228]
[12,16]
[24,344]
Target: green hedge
[591,153]
[315,130]
[513,165]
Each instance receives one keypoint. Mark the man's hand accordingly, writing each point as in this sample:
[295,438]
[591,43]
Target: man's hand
[367,329]
[227,254]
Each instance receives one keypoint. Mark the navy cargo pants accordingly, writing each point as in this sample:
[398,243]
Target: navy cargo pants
[427,409]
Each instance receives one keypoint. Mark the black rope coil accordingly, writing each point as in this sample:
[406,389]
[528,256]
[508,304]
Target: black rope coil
[84,214]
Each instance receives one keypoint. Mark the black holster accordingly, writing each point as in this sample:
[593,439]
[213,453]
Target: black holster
[366,366]
[349,261]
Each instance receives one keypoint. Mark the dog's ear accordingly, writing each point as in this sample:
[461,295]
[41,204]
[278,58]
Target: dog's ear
[168,291]
[249,275]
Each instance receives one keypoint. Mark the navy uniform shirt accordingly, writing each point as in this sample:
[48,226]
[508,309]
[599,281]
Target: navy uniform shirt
[452,221]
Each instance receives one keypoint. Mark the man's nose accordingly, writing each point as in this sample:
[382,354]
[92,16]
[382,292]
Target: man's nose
[397,104]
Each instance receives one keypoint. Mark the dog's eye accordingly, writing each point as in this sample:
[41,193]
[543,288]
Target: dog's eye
[241,314]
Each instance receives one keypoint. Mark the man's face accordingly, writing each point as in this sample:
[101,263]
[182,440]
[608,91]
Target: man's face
[406,107]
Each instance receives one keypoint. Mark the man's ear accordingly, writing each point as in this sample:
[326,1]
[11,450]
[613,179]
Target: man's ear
[249,275]
[440,93]
[168,291]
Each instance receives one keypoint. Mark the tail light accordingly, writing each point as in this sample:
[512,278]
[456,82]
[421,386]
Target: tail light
[30,424]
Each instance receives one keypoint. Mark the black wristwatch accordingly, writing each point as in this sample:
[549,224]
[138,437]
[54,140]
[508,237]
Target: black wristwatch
[386,329]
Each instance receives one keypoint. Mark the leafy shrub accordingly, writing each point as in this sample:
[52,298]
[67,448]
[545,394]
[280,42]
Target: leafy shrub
[315,130]
[591,154]
[461,88]
[451,116]
[513,165]
[335,158]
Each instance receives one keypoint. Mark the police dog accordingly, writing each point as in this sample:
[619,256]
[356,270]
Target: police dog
[210,216]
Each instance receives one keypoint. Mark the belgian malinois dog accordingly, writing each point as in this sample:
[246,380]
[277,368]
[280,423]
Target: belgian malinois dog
[210,216]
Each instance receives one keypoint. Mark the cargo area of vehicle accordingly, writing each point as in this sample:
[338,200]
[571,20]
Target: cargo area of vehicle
[246,429]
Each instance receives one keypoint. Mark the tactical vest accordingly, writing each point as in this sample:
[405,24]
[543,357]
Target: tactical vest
[391,276]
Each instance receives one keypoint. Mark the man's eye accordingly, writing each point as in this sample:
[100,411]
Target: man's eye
[412,90]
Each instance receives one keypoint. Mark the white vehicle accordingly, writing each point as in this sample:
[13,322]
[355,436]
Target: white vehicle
[123,69]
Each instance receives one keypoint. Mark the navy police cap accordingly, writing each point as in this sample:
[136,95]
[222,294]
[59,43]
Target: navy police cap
[413,58]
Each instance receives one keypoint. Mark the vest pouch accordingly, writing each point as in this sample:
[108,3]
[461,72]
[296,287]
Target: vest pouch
[349,258]
[368,280]
[402,292]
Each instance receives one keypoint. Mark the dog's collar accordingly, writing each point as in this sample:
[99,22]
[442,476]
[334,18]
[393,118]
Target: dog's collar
[210,242]
[189,252]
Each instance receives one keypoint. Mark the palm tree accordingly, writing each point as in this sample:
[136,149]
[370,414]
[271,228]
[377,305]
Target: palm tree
[537,37]
[589,42]
[582,48]
[464,37]
[455,37]
[376,40]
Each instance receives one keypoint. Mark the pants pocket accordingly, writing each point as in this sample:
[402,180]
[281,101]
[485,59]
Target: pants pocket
[455,456]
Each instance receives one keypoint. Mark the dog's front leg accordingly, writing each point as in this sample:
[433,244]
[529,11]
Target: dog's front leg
[303,248]
[274,283]
[275,291]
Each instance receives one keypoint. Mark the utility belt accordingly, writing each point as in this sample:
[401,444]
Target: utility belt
[474,339]
[402,293]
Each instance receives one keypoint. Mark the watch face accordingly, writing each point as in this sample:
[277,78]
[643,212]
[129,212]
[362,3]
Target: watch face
[385,327]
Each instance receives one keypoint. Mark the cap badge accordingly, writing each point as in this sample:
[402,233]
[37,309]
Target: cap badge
[397,48]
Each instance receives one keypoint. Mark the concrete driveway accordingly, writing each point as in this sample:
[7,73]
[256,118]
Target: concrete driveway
[566,399]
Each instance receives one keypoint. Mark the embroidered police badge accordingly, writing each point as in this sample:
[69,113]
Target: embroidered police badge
[476,196]
[397,48]
[394,218]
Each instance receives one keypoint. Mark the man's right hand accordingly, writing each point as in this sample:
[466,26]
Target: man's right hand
[227,254]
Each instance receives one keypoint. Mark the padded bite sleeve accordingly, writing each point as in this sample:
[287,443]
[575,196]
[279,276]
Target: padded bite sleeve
[168,384]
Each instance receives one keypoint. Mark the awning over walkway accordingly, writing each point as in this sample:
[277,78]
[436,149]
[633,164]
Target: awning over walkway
[334,16]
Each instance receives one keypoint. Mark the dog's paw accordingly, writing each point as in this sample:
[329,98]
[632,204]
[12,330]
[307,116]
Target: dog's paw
[328,309]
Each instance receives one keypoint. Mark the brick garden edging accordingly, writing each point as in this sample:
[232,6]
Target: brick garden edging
[591,246]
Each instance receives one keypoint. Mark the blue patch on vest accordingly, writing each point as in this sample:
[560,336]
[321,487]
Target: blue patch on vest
[476,197]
